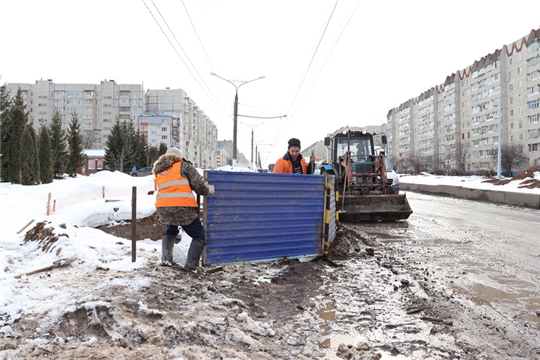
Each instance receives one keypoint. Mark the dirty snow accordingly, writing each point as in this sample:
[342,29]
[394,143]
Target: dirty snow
[103,305]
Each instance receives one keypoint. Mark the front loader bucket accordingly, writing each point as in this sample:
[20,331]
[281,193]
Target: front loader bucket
[357,208]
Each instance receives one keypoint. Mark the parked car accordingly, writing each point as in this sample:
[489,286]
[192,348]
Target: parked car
[145,171]
[391,174]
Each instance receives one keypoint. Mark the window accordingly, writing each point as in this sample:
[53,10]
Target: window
[163,129]
[519,97]
[509,61]
[509,74]
[519,57]
[520,110]
[512,112]
[520,124]
[511,100]
[519,70]
[163,137]
[512,138]
[520,137]
[511,87]
[511,125]
[520,84]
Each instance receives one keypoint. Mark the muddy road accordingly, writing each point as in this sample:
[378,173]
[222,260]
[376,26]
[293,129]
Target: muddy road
[457,280]
[479,266]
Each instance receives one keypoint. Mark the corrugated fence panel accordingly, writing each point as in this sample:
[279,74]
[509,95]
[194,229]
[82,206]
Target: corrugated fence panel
[258,216]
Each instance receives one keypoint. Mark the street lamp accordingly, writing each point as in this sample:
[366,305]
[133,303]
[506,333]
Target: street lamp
[235,126]
[252,127]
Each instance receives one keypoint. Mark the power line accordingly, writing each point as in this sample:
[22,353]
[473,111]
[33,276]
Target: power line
[212,98]
[309,66]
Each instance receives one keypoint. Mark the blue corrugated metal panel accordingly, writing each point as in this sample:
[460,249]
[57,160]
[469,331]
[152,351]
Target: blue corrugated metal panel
[254,216]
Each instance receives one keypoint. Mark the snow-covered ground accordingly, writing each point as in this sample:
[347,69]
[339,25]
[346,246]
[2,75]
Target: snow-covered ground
[475,182]
[101,277]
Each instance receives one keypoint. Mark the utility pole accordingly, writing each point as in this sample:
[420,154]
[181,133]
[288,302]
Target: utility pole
[235,116]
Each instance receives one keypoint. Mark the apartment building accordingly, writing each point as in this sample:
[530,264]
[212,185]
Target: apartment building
[455,125]
[97,106]
[191,130]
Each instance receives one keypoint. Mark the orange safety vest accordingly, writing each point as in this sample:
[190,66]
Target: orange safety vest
[173,189]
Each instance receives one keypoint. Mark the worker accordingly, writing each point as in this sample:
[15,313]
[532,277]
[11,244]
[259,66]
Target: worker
[175,180]
[293,162]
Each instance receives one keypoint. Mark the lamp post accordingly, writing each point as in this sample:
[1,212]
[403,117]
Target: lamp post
[252,137]
[235,126]
[499,145]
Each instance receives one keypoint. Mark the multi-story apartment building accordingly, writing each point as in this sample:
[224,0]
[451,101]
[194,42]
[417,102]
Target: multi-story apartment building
[163,127]
[221,158]
[196,133]
[97,107]
[455,125]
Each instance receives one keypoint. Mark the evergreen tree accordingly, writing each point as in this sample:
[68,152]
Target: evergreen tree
[35,145]
[128,132]
[45,156]
[58,146]
[19,119]
[162,148]
[141,150]
[75,153]
[28,157]
[115,148]
[5,132]
[153,155]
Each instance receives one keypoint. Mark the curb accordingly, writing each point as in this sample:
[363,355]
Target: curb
[501,197]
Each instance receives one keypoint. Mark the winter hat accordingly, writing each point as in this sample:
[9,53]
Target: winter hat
[294,142]
[173,150]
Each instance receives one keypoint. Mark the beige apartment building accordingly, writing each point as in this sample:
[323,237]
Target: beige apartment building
[188,128]
[171,116]
[455,125]
[97,106]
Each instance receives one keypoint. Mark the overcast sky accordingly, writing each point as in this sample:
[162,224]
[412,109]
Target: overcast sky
[326,63]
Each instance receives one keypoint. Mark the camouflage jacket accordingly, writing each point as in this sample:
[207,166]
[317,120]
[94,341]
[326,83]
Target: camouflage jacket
[180,215]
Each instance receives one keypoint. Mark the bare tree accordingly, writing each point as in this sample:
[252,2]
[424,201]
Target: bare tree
[511,157]
[88,139]
[461,157]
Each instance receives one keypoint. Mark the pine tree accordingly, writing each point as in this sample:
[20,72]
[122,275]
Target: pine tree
[75,153]
[19,119]
[5,132]
[28,157]
[58,146]
[115,149]
[153,155]
[162,148]
[128,131]
[45,156]
[141,150]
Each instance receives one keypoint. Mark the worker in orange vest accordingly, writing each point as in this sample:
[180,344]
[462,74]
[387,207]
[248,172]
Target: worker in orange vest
[293,162]
[175,180]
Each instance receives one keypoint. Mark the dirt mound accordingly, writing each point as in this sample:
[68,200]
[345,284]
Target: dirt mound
[147,228]
[530,184]
[44,236]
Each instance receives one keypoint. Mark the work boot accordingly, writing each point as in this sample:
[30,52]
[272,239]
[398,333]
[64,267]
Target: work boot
[167,244]
[194,254]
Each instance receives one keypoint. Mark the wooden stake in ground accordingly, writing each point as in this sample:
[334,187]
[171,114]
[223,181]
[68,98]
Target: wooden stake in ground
[25,226]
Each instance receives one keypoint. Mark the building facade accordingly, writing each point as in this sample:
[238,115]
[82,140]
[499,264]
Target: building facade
[455,125]
[167,116]
[191,130]
[98,107]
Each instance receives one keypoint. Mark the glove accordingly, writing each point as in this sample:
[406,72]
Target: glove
[211,189]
